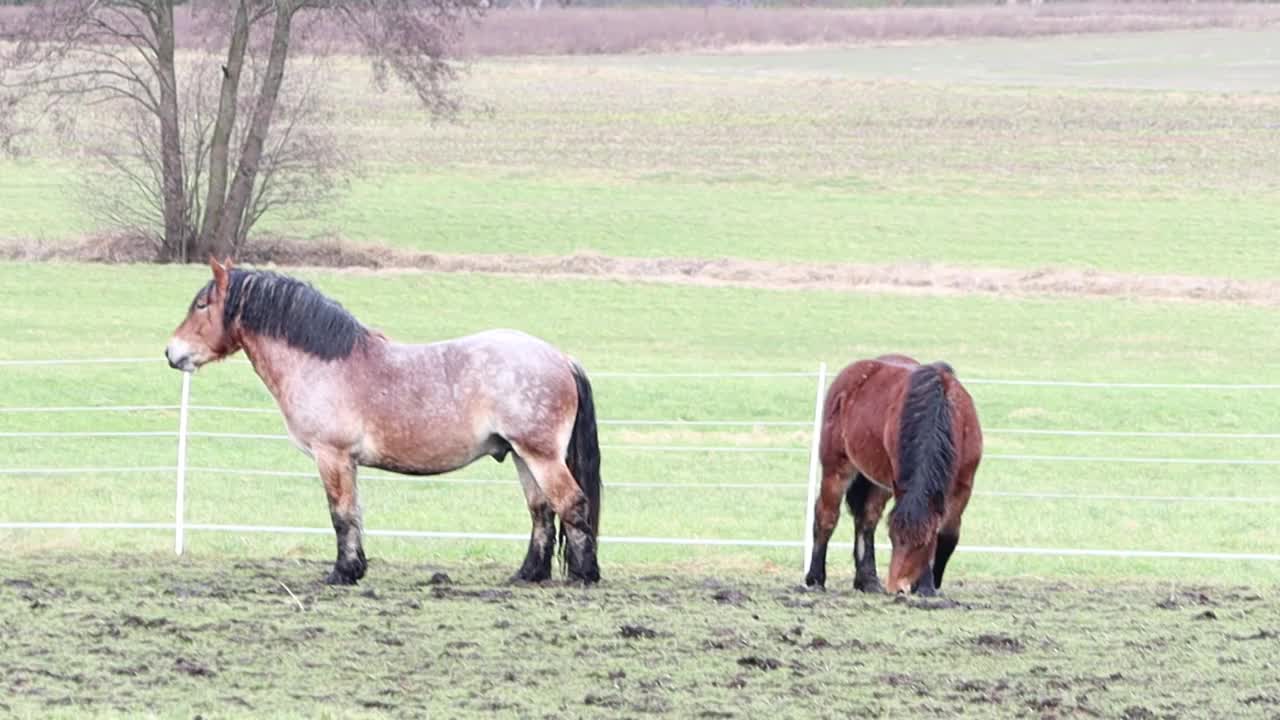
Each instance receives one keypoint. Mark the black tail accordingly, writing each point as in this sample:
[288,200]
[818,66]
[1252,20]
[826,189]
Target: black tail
[583,455]
[926,456]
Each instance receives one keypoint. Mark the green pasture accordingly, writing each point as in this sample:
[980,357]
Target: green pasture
[73,311]
[1150,153]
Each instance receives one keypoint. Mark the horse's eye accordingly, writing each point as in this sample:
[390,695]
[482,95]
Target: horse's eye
[202,304]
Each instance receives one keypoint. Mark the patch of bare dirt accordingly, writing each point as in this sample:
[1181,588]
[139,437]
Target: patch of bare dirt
[578,31]
[904,278]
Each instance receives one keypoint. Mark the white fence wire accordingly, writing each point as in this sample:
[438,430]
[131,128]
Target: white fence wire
[182,434]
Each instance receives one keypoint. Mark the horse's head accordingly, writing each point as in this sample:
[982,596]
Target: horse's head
[908,562]
[203,336]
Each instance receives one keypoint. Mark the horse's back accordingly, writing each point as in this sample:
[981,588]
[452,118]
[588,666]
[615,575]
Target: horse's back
[870,394]
[434,407]
[896,360]
[501,356]
[530,388]
[523,378]
[860,403]
[495,338]
[487,351]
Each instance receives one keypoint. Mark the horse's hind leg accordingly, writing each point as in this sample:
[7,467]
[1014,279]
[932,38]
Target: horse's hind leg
[568,501]
[338,471]
[949,533]
[826,513]
[542,539]
[866,502]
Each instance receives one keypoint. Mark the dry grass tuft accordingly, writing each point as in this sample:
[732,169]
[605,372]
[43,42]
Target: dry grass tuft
[98,248]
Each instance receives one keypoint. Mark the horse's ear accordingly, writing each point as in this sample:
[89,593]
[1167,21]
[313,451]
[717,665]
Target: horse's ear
[221,274]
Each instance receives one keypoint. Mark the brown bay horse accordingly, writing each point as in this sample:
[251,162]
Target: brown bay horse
[894,427]
[351,397]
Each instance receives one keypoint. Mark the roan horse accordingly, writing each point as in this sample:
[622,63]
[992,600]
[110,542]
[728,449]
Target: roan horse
[351,397]
[892,426]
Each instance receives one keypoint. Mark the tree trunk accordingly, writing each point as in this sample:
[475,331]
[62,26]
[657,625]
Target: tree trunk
[220,142]
[233,212]
[173,184]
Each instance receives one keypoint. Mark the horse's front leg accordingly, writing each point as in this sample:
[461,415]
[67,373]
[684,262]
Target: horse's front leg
[826,513]
[866,502]
[338,471]
[925,585]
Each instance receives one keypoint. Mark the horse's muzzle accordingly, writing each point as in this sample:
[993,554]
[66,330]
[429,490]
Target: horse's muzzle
[182,363]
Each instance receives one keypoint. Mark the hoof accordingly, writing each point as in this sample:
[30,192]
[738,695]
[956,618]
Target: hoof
[815,581]
[584,572]
[522,578]
[868,586]
[591,577]
[338,577]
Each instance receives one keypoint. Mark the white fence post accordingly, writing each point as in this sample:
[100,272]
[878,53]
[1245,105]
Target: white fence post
[181,502]
[814,464]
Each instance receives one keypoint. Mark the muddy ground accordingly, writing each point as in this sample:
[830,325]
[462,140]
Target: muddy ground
[127,636]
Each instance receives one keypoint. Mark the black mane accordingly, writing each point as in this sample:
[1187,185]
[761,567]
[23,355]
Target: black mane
[281,307]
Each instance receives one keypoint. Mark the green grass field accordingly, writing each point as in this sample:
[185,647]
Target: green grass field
[1152,153]
[664,329]
[938,152]
[1145,154]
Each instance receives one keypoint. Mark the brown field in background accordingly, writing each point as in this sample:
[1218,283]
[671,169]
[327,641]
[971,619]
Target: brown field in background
[911,278]
[606,31]
[575,31]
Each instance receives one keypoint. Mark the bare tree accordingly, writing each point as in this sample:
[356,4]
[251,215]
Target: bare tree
[210,164]
[302,165]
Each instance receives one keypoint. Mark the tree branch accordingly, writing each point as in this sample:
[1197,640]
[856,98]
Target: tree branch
[220,144]
[251,154]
